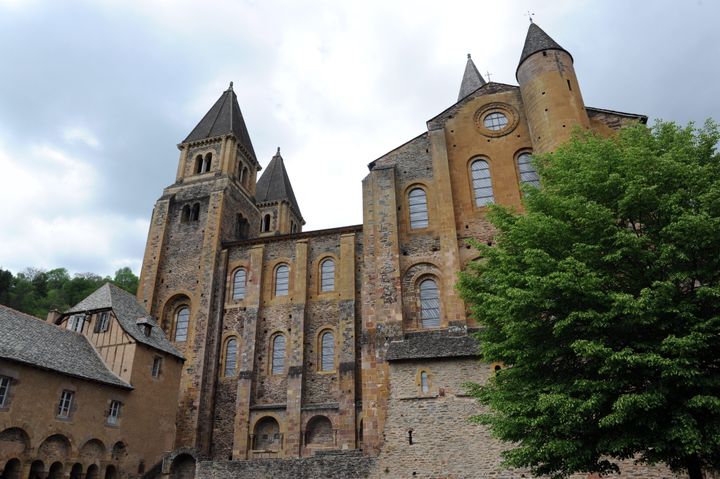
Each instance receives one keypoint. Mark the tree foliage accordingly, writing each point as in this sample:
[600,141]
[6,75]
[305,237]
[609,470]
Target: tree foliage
[36,291]
[603,299]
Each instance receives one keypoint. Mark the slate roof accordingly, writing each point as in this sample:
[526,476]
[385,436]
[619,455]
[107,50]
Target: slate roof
[32,341]
[274,184]
[127,311]
[224,118]
[471,80]
[432,345]
[536,41]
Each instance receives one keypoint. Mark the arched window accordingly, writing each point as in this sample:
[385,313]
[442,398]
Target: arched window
[241,172]
[265,225]
[417,201]
[185,215]
[245,177]
[429,304]
[195,214]
[241,226]
[424,383]
[528,173]
[231,350]
[207,163]
[327,351]
[327,275]
[239,284]
[482,183]
[182,320]
[282,278]
[198,164]
[278,354]
[293,227]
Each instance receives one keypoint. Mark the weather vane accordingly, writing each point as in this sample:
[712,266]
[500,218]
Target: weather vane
[530,14]
[487,74]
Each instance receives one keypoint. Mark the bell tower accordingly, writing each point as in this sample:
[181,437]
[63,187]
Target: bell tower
[182,277]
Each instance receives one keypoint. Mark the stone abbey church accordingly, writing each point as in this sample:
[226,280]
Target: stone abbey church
[342,352]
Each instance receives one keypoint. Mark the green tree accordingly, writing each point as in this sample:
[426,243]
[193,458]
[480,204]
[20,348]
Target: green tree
[125,279]
[603,299]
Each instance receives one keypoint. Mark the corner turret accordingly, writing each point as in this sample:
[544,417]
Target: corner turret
[550,91]
[279,210]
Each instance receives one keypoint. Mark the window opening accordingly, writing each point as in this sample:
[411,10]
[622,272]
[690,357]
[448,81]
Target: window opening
[207,163]
[195,215]
[239,284]
[495,121]
[66,399]
[76,323]
[185,215]
[429,304]
[156,367]
[278,354]
[265,225]
[114,412]
[230,357]
[417,201]
[327,275]
[198,164]
[4,391]
[182,320]
[327,351]
[103,322]
[282,278]
[528,173]
[482,183]
[424,384]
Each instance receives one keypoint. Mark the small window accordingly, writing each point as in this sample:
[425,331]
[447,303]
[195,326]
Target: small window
[65,405]
[327,275]
[76,323]
[482,183]
[182,320]
[4,391]
[207,163]
[528,173]
[293,227]
[429,304]
[495,121]
[157,367]
[327,351]
[103,322]
[282,278]
[198,164]
[195,213]
[265,225]
[417,202]
[185,215]
[230,357]
[424,383]
[114,412]
[278,354]
[239,284]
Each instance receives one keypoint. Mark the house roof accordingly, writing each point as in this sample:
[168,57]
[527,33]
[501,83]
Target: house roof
[432,345]
[127,311]
[274,184]
[537,40]
[471,80]
[224,118]
[29,340]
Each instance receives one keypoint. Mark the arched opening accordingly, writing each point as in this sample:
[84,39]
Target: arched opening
[265,226]
[278,355]
[230,357]
[239,282]
[182,322]
[198,164]
[267,435]
[110,472]
[76,471]
[92,451]
[429,304]
[119,451]
[245,177]
[185,214]
[207,163]
[55,448]
[320,432]
[417,205]
[37,470]
[12,469]
[282,280]
[327,275]
[481,183]
[56,471]
[14,442]
[183,467]
[242,226]
[327,351]
[195,213]
[92,472]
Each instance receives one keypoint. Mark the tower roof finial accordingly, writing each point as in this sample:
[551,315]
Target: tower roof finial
[469,57]
[278,152]
[231,86]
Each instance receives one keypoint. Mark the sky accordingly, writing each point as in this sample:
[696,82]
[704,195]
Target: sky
[95,95]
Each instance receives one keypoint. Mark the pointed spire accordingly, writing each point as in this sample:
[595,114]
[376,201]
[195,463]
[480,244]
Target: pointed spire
[471,81]
[274,184]
[536,41]
[224,118]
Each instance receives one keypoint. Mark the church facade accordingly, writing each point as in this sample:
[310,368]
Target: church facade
[299,344]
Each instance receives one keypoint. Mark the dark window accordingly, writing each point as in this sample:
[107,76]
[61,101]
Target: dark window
[182,320]
[4,390]
[528,174]
[278,354]
[185,215]
[429,304]
[114,412]
[417,201]
[327,275]
[265,226]
[327,351]
[76,323]
[230,357]
[198,164]
[156,367]
[65,405]
[482,183]
[102,323]
[239,284]
[282,278]
[207,163]
[195,214]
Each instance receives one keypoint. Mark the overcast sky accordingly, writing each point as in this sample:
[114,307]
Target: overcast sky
[95,95]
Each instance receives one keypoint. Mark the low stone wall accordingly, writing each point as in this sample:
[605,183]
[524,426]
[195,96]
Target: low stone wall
[345,465]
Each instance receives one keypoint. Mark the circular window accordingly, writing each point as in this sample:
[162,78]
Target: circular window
[495,121]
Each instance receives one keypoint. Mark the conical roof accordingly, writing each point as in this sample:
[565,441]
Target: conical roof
[536,41]
[224,118]
[274,184]
[471,81]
